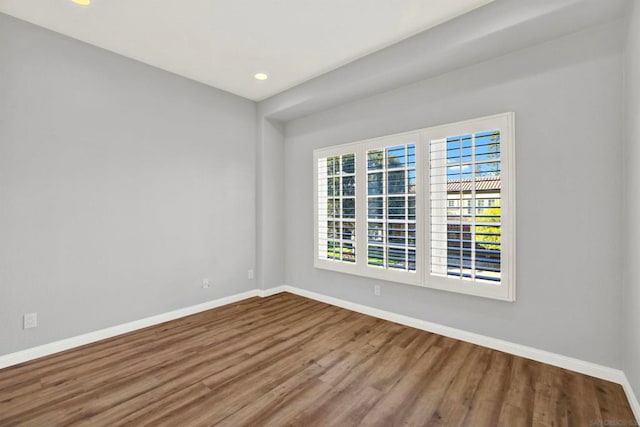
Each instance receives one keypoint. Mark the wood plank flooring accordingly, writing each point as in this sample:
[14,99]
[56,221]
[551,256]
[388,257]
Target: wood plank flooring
[287,360]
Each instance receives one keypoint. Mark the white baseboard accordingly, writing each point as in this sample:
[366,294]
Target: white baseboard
[633,400]
[577,365]
[272,291]
[570,363]
[91,337]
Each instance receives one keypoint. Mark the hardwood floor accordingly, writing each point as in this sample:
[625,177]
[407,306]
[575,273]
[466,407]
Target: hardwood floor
[287,360]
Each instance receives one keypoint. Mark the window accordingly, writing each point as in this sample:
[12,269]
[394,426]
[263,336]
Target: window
[433,207]
[391,202]
[466,167]
[336,202]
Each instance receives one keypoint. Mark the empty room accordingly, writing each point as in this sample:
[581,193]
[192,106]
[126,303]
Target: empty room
[319,213]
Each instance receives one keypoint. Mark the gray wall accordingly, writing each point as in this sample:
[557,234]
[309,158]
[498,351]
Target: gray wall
[568,99]
[121,187]
[270,187]
[632,232]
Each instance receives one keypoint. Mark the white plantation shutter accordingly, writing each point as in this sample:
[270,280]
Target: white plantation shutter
[433,207]
[439,204]
[391,207]
[337,208]
[466,234]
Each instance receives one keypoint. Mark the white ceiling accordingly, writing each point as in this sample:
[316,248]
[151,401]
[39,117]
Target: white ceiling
[223,43]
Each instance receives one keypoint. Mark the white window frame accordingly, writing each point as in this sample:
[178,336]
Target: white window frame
[506,289]
[360,267]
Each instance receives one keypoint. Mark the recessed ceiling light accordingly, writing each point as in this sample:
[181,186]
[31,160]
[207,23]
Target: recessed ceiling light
[82,2]
[261,76]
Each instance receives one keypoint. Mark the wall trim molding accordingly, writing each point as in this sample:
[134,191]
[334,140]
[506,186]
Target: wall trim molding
[550,358]
[272,291]
[631,396]
[22,356]
[577,365]
[570,363]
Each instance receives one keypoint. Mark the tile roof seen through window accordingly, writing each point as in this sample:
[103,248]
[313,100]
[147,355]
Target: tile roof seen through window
[485,183]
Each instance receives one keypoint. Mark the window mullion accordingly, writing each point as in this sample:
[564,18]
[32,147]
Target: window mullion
[461,216]
[361,208]
[423,195]
[472,226]
[385,219]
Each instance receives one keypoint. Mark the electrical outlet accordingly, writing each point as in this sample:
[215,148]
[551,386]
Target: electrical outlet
[30,320]
[250,274]
[376,290]
[206,284]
